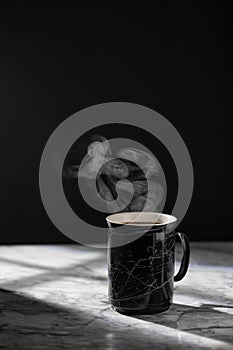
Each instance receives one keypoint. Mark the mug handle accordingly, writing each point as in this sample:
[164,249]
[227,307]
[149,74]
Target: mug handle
[185,259]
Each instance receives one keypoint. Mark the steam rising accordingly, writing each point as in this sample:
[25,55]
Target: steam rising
[125,182]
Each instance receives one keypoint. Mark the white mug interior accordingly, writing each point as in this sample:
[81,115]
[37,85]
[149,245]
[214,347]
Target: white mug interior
[141,219]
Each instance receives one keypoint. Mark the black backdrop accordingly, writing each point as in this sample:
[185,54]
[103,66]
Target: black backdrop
[174,57]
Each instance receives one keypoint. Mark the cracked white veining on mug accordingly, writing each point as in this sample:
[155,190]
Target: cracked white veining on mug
[143,282]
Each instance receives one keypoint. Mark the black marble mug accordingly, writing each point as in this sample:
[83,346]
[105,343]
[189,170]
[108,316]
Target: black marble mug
[141,257]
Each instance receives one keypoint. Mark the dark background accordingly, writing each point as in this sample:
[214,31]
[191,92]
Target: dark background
[174,57]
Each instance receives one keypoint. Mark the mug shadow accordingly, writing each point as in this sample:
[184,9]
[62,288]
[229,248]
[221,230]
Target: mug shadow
[209,320]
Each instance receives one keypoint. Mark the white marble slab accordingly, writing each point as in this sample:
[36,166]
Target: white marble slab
[55,297]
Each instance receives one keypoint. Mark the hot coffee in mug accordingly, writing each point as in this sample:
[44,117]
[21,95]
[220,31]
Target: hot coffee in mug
[141,258]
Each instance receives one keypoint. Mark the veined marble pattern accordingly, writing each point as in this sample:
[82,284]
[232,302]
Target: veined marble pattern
[55,297]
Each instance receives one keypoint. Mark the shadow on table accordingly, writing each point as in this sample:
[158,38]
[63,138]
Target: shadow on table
[28,323]
[208,320]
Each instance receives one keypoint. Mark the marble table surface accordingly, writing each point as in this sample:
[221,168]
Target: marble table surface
[55,297]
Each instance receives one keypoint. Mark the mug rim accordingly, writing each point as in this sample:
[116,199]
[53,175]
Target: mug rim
[131,219]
